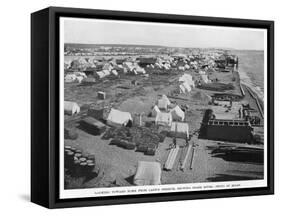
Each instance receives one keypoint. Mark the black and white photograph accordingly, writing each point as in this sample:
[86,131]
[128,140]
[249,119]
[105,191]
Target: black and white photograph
[161,108]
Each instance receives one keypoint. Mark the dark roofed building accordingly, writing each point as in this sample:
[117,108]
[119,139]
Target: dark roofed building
[143,62]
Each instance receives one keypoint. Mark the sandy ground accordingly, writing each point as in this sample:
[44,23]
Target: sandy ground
[117,163]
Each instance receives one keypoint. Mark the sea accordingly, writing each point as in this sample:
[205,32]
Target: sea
[251,70]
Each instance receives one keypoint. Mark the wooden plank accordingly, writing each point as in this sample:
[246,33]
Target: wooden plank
[171,158]
[186,157]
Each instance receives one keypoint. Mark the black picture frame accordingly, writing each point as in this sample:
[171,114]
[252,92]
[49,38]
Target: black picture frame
[45,106]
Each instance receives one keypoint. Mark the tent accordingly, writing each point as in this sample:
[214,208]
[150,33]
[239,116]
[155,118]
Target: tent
[204,78]
[155,111]
[79,79]
[164,119]
[177,114]
[70,78]
[114,72]
[179,130]
[100,74]
[185,78]
[148,173]
[71,108]
[185,88]
[82,74]
[162,104]
[106,72]
[118,118]
[140,70]
[164,97]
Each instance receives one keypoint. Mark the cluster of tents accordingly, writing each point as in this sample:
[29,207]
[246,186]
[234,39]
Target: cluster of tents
[75,77]
[165,117]
[186,83]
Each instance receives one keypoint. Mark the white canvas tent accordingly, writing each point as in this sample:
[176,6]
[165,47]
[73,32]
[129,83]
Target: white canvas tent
[71,108]
[148,173]
[164,97]
[162,104]
[177,114]
[70,78]
[155,111]
[164,119]
[118,118]
[204,78]
[114,72]
[179,130]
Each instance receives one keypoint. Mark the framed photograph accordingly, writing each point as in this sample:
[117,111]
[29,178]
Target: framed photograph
[138,107]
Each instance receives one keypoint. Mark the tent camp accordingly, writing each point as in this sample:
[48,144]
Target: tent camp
[148,173]
[164,119]
[118,118]
[155,111]
[177,114]
[71,108]
[179,130]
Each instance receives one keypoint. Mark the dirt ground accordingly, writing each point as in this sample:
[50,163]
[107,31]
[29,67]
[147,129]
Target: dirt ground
[117,163]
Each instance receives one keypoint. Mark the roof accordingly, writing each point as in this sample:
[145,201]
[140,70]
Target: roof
[163,118]
[147,60]
[177,113]
[179,129]
[148,173]
[162,103]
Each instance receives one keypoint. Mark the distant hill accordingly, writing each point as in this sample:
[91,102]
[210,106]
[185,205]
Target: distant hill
[77,45]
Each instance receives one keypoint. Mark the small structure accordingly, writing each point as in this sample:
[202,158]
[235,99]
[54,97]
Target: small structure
[179,130]
[101,95]
[92,126]
[148,173]
[118,118]
[143,62]
[164,119]
[96,113]
[177,114]
[89,81]
[71,108]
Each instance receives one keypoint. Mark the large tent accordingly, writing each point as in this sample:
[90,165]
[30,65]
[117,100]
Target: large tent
[179,130]
[71,108]
[164,119]
[148,173]
[118,118]
[177,114]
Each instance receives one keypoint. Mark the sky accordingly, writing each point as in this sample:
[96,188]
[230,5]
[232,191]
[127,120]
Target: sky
[94,31]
